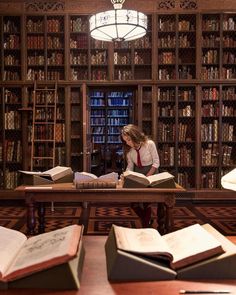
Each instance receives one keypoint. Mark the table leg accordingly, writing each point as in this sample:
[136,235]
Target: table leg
[161,218]
[31,221]
[169,205]
[41,217]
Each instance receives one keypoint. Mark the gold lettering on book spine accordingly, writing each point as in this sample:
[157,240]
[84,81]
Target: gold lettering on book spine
[45,6]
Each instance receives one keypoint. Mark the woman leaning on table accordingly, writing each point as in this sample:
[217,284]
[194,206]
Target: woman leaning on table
[141,156]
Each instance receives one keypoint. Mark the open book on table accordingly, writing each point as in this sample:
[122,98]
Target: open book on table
[20,257]
[228,181]
[135,179]
[53,174]
[89,180]
[180,248]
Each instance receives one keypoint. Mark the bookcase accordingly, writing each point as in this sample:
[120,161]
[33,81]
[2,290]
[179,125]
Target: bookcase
[110,109]
[11,132]
[45,47]
[177,83]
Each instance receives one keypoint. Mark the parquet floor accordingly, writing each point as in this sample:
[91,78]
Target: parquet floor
[98,218]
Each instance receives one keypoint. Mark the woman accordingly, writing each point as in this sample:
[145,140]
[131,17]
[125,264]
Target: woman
[141,156]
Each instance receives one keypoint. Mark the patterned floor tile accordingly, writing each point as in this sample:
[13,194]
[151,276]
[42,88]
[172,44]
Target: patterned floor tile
[12,211]
[114,212]
[217,212]
[183,212]
[102,227]
[63,212]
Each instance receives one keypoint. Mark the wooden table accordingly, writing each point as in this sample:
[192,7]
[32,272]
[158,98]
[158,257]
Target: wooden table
[165,198]
[94,279]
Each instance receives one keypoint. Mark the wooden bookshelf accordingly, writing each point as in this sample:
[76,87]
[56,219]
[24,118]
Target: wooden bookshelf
[181,75]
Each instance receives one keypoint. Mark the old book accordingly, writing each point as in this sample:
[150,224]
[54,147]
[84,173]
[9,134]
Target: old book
[179,249]
[135,179]
[228,181]
[21,257]
[53,174]
[89,180]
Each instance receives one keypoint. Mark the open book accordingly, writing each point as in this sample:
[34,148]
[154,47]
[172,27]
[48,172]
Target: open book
[52,174]
[180,248]
[21,257]
[135,179]
[89,180]
[228,181]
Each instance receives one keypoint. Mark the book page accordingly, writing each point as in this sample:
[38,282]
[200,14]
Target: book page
[57,172]
[46,250]
[111,177]
[160,177]
[84,176]
[191,244]
[10,243]
[146,241]
[228,181]
[135,176]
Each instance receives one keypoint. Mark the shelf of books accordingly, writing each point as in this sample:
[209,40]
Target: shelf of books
[110,111]
[11,137]
[78,44]
[177,83]
[176,36]
[176,132]
[76,129]
[43,133]
[11,48]
[146,111]
[45,47]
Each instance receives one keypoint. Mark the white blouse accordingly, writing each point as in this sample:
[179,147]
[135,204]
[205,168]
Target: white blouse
[148,155]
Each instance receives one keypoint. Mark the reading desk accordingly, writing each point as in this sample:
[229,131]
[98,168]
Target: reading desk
[66,192]
[94,279]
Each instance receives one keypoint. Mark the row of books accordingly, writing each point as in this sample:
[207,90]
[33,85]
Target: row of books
[210,155]
[11,179]
[53,25]
[41,74]
[11,75]
[13,150]
[210,73]
[11,60]
[209,179]
[210,132]
[12,120]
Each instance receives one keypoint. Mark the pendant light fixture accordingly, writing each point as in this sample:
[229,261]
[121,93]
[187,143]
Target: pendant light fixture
[118,24]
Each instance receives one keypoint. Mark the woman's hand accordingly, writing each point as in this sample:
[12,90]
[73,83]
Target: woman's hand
[151,171]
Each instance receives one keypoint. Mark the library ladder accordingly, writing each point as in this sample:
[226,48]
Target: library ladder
[44,126]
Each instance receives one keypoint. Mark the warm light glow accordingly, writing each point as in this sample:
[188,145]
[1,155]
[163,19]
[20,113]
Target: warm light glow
[118,25]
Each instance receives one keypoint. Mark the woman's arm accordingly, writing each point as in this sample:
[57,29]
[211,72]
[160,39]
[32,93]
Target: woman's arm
[155,158]
[130,163]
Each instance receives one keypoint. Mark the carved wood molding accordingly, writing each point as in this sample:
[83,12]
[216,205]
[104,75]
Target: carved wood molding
[44,6]
[177,4]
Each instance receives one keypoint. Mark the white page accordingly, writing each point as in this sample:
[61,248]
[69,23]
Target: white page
[190,241]
[44,247]
[140,240]
[11,242]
